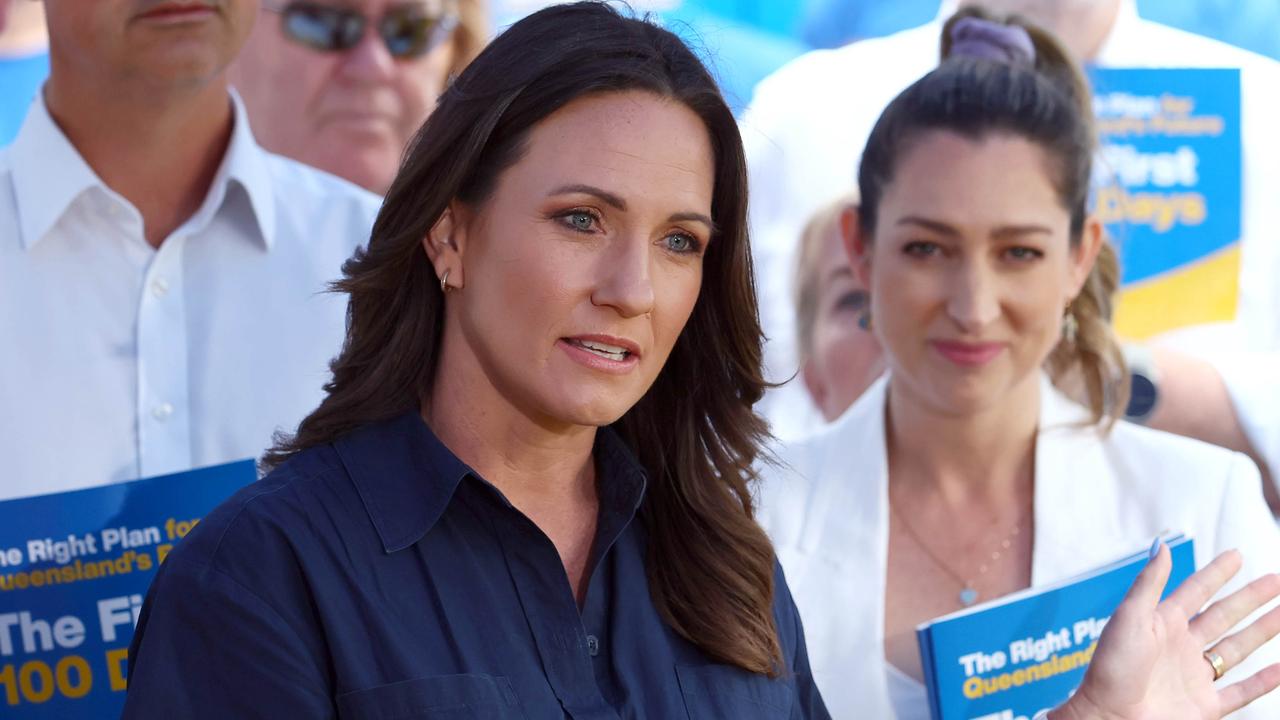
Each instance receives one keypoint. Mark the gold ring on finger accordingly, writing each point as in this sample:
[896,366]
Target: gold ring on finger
[1217,663]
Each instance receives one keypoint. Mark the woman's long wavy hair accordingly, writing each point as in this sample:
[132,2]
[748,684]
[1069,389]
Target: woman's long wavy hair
[710,566]
[1048,103]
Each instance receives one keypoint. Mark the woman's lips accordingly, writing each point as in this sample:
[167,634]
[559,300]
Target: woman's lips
[609,354]
[967,354]
[177,13]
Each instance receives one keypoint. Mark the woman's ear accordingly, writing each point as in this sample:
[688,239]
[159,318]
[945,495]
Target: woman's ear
[444,244]
[1086,253]
[855,244]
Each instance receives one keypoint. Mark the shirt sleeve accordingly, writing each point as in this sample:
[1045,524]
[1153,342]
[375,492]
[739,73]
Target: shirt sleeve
[208,647]
[1253,382]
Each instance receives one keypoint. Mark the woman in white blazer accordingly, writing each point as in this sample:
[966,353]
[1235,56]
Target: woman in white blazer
[1096,497]
[964,475]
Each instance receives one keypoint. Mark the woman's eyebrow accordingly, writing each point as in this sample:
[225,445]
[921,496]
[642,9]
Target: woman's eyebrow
[608,197]
[838,271]
[1020,230]
[936,226]
[1005,231]
[695,217]
[617,202]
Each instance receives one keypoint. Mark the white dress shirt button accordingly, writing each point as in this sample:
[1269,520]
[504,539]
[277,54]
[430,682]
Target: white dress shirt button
[162,411]
[159,287]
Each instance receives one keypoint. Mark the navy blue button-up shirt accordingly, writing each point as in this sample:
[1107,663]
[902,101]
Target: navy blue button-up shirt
[379,577]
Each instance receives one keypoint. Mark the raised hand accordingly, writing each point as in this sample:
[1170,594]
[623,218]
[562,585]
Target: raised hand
[1155,659]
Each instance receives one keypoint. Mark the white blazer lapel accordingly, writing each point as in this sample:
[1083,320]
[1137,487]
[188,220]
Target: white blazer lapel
[1077,498]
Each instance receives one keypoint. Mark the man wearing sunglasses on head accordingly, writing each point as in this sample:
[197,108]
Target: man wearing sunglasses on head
[343,85]
[162,277]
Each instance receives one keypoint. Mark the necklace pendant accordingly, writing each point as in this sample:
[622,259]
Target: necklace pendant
[968,596]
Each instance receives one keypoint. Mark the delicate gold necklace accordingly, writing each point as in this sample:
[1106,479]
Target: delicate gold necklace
[968,593]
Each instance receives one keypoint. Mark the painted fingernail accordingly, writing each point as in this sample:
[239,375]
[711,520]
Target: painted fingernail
[1155,548]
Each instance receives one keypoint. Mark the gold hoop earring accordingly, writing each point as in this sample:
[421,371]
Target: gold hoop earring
[444,281]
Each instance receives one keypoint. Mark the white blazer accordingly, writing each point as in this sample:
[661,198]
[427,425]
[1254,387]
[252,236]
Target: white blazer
[1096,498]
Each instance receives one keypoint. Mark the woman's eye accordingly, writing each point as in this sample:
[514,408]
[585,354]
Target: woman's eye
[853,300]
[1023,254]
[681,243]
[581,220]
[921,248]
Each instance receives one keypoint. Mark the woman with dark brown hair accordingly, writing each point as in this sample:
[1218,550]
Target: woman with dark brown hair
[527,488]
[526,494]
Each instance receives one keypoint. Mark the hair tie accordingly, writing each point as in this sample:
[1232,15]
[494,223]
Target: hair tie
[975,37]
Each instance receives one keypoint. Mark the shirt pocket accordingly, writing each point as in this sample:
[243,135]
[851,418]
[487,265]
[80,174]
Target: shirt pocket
[440,697]
[712,692]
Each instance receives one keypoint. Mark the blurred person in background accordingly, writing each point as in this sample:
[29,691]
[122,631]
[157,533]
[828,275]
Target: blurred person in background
[966,474]
[839,356]
[807,124]
[161,275]
[24,61]
[343,86]
[1250,24]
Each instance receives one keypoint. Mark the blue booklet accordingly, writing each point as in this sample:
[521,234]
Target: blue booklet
[74,568]
[1026,652]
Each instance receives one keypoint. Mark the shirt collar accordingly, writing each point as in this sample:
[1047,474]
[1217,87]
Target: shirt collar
[620,490]
[50,174]
[406,478]
[248,164]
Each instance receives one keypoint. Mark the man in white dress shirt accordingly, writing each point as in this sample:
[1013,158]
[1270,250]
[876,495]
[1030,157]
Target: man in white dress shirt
[804,133]
[162,277]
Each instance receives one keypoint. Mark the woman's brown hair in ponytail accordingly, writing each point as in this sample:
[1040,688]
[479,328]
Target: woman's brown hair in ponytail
[1042,97]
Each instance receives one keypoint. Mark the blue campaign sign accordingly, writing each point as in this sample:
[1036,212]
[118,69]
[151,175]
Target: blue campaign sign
[1168,189]
[74,568]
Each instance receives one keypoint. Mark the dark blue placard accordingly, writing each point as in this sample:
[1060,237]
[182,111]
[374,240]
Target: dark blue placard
[74,568]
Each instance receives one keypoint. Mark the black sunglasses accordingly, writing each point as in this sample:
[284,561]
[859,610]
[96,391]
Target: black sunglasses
[407,30]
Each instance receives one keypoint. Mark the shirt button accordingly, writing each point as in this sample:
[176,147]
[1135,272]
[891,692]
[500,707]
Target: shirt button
[159,287]
[593,645]
[162,411]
